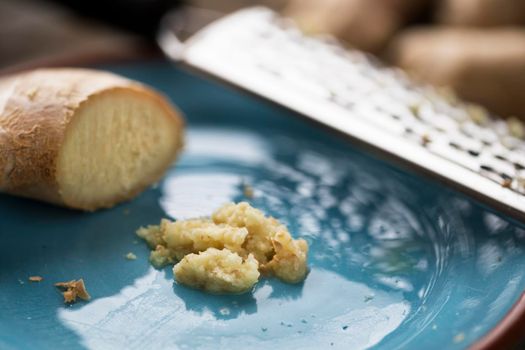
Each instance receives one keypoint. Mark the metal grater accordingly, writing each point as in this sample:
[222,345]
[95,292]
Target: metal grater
[265,54]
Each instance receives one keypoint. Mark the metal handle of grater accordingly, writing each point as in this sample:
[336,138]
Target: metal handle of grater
[347,91]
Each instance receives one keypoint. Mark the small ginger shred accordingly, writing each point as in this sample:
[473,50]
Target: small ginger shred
[36,278]
[72,290]
[506,183]
[247,190]
[131,256]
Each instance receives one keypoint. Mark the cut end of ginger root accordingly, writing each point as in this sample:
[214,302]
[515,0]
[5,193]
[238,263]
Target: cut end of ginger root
[83,138]
[227,252]
[72,290]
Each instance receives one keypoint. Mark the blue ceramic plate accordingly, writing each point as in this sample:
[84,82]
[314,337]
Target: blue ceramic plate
[397,260]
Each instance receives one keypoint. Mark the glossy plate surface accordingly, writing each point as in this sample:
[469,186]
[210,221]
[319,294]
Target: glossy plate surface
[397,261]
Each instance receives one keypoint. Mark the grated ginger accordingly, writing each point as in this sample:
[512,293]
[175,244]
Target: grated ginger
[192,236]
[221,254]
[218,271]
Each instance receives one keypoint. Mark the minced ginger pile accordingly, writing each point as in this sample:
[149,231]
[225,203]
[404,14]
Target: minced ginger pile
[227,253]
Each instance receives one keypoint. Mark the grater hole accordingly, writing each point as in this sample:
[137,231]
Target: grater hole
[454,145]
[505,177]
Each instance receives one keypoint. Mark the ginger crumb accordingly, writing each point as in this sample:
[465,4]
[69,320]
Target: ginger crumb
[131,256]
[73,289]
[414,108]
[227,252]
[506,183]
[36,278]
[247,190]
[458,338]
[425,139]
[224,311]
[516,127]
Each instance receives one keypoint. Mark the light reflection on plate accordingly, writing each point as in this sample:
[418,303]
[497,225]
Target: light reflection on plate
[149,309]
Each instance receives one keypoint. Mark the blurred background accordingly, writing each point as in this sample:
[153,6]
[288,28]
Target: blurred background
[474,47]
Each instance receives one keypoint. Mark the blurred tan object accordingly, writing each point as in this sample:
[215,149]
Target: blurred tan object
[364,24]
[227,6]
[483,66]
[42,33]
[481,12]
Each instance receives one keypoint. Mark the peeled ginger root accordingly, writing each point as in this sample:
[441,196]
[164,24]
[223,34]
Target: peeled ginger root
[83,138]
